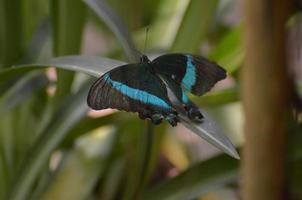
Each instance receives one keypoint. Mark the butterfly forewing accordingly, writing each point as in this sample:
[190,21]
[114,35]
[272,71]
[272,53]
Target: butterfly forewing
[131,88]
[195,73]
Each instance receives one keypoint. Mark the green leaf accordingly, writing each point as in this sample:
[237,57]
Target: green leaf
[221,97]
[117,26]
[82,167]
[68,19]
[195,25]
[92,65]
[197,180]
[11,32]
[113,177]
[64,119]
[22,90]
[142,152]
[166,24]
[229,52]
[209,131]
[86,125]
[39,47]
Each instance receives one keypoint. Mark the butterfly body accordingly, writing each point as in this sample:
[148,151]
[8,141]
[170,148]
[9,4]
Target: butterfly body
[142,87]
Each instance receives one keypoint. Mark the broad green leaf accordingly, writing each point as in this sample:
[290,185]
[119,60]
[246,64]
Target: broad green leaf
[211,132]
[197,180]
[195,25]
[92,65]
[208,129]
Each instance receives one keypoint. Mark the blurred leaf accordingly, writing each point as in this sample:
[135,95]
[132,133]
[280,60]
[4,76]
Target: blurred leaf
[86,125]
[133,136]
[229,52]
[115,24]
[113,177]
[22,90]
[210,131]
[197,180]
[221,97]
[153,140]
[294,159]
[142,159]
[81,168]
[6,153]
[166,23]
[39,47]
[175,151]
[33,14]
[150,9]
[11,32]
[194,26]
[64,119]
[68,19]
[131,11]
[92,65]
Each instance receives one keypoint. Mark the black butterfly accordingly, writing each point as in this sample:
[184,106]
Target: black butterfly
[142,87]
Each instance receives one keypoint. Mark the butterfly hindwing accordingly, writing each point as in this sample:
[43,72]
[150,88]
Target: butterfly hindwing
[131,88]
[192,110]
[195,73]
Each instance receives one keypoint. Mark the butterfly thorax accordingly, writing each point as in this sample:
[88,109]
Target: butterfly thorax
[144,59]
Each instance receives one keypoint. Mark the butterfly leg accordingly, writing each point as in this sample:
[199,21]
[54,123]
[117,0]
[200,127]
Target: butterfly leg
[156,118]
[193,112]
[172,118]
[144,115]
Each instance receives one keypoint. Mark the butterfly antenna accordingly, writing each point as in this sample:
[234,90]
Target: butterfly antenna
[146,39]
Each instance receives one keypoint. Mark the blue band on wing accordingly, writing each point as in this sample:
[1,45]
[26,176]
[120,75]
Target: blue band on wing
[137,94]
[190,77]
[184,98]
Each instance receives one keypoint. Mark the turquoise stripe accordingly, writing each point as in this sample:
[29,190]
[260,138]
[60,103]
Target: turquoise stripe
[137,94]
[190,77]
[184,98]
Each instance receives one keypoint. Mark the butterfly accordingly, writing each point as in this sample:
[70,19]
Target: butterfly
[142,87]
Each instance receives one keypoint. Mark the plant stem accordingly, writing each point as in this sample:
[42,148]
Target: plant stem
[265,94]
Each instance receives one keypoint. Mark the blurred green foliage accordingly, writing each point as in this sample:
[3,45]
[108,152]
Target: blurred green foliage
[51,149]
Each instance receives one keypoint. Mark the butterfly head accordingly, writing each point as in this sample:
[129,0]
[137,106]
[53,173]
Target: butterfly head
[144,59]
